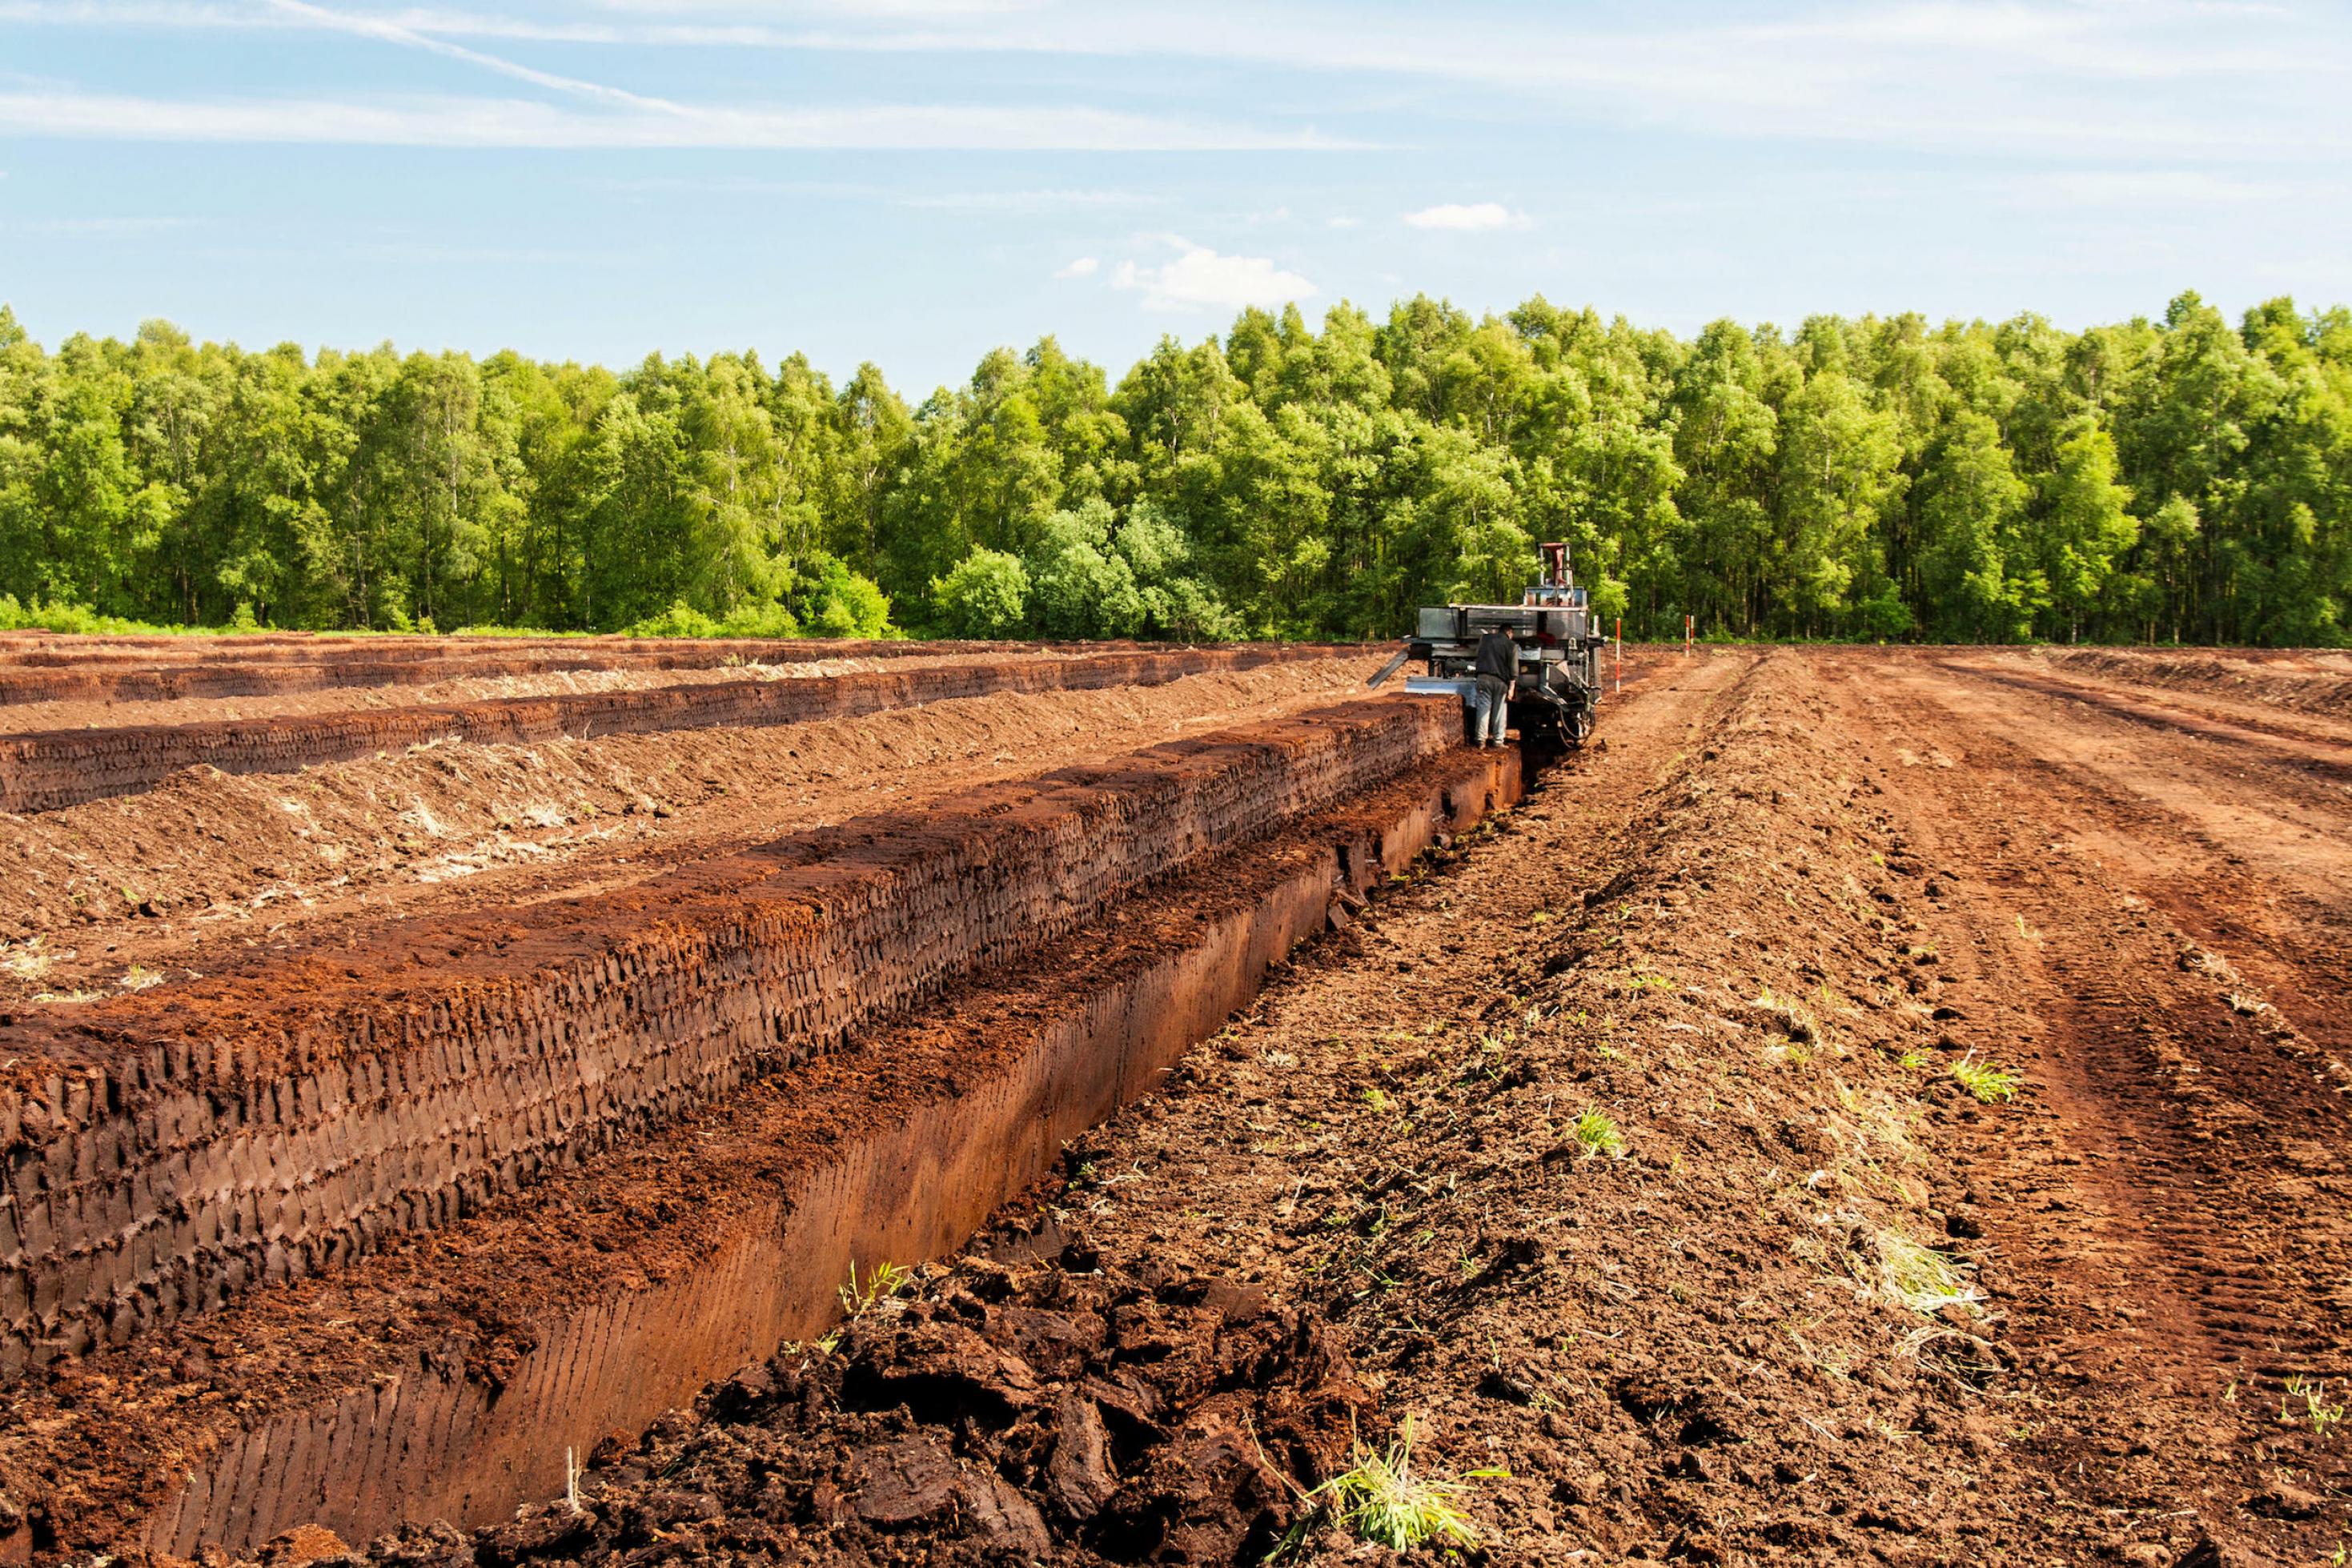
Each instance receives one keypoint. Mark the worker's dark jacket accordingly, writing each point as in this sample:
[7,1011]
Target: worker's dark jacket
[1498,656]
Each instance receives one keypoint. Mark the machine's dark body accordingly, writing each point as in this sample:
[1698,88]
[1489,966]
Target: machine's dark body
[1558,686]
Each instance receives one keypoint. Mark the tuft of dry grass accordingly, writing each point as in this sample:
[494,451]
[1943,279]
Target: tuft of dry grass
[1912,1274]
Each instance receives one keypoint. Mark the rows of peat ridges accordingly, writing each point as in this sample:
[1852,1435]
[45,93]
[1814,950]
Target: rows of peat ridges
[1590,1191]
[390,1225]
[1640,1220]
[1553,1213]
[43,770]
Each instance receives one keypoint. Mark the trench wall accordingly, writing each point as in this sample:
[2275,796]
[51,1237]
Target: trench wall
[71,651]
[170,1150]
[423,1440]
[96,676]
[176,681]
[46,770]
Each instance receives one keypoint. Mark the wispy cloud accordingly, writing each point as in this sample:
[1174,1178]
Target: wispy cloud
[738,186]
[1084,266]
[433,253]
[1200,278]
[2015,76]
[392,31]
[2150,38]
[1470,218]
[465,122]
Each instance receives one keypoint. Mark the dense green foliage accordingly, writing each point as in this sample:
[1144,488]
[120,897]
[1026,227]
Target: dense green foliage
[2175,480]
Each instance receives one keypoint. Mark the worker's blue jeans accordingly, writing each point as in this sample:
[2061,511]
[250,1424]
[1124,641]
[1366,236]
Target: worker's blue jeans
[1491,712]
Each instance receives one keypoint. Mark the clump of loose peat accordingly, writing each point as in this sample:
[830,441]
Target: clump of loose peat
[1052,1413]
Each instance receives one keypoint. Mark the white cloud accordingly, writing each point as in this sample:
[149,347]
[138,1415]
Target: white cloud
[1084,266]
[509,123]
[1343,223]
[2016,77]
[1470,218]
[1200,278]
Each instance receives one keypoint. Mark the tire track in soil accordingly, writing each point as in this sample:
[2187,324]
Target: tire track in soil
[2276,742]
[2233,683]
[2252,860]
[2172,1214]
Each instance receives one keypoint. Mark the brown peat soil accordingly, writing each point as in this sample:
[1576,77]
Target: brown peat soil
[1757,932]
[1875,1105]
[211,866]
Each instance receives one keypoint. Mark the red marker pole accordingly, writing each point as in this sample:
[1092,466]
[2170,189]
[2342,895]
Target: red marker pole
[1620,654]
[1686,635]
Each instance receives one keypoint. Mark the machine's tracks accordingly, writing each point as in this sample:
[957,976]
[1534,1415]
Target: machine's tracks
[2165,1200]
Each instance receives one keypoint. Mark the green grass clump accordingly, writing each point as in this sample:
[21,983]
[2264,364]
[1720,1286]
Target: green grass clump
[1990,1084]
[884,1282]
[1598,1133]
[2322,1415]
[1381,1499]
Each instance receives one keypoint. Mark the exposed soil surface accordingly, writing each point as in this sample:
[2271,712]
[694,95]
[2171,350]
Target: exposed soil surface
[1758,932]
[646,1219]
[2319,683]
[40,668]
[1152,1418]
[48,770]
[201,872]
[23,718]
[1629,1147]
[2231,683]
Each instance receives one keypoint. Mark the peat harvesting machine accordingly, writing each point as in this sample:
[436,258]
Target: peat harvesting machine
[1557,694]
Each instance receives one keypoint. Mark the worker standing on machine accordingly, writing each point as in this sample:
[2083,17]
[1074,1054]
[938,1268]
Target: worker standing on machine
[1497,667]
[1535,664]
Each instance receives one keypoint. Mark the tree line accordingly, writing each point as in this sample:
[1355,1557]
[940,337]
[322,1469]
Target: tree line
[2181,479]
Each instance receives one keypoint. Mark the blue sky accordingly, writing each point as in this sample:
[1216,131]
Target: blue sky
[914,181]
